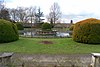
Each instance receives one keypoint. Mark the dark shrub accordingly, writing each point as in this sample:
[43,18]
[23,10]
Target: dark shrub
[46,26]
[71,27]
[19,26]
[38,25]
[8,31]
[87,31]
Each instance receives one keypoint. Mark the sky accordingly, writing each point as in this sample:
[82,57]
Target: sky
[75,10]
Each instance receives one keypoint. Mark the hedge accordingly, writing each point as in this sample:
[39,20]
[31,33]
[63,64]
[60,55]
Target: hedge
[8,31]
[20,26]
[46,26]
[87,31]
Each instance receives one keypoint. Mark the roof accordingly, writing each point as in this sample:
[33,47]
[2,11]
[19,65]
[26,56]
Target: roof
[63,25]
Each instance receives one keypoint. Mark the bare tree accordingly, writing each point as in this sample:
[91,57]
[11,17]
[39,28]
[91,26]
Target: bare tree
[4,13]
[22,14]
[31,15]
[25,15]
[13,13]
[1,4]
[17,14]
[55,13]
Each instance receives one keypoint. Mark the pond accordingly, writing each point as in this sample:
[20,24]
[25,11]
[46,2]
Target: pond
[33,33]
[62,34]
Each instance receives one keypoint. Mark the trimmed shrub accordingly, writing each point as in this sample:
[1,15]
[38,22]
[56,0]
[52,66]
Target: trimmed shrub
[8,31]
[46,26]
[87,31]
[38,25]
[71,27]
[20,26]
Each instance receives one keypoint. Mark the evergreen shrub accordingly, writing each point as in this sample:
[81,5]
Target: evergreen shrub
[8,31]
[87,31]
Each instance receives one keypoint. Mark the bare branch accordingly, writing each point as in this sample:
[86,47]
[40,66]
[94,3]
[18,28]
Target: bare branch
[55,13]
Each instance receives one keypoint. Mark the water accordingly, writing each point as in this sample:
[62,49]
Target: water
[61,34]
[29,33]
[58,34]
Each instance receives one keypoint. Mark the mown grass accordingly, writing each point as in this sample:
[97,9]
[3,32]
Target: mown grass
[59,46]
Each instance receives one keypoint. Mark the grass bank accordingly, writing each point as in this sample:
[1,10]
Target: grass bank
[57,46]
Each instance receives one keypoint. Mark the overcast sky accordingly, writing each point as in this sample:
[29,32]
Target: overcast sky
[71,9]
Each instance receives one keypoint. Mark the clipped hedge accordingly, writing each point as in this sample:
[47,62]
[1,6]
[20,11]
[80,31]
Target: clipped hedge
[71,27]
[8,31]
[46,26]
[20,26]
[87,31]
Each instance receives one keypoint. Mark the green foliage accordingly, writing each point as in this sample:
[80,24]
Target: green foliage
[46,26]
[8,31]
[38,15]
[71,27]
[38,25]
[87,31]
[19,26]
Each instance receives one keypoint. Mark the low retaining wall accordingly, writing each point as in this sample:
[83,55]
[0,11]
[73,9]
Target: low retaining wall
[38,60]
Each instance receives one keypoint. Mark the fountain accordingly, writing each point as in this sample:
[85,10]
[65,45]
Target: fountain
[46,33]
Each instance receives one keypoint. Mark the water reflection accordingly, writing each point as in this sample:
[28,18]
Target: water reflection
[33,33]
[61,34]
[29,33]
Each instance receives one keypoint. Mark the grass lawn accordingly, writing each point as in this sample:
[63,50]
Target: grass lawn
[58,46]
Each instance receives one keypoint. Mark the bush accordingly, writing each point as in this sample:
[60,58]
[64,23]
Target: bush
[20,26]
[46,26]
[38,25]
[71,27]
[87,31]
[8,31]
